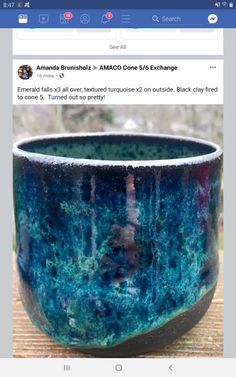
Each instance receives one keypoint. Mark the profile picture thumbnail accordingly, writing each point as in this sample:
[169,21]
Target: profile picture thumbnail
[25,72]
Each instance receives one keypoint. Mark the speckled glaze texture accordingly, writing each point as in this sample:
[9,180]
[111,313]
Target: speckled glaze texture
[110,250]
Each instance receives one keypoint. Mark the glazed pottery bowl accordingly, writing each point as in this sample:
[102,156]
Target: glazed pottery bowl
[116,237]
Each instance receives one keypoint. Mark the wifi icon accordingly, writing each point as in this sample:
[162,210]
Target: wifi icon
[224,4]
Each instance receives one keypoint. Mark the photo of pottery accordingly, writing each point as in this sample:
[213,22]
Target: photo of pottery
[118,227]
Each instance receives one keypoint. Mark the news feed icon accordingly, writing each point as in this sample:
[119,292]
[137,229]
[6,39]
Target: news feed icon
[25,72]
[23,18]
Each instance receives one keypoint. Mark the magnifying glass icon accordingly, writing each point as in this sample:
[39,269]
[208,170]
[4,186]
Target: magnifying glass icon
[155,18]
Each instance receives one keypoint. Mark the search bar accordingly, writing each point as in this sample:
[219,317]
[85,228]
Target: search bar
[166,19]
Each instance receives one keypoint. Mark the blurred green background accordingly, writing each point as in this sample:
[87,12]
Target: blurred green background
[203,121]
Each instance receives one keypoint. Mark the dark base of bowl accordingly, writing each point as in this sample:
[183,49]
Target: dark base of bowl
[159,338]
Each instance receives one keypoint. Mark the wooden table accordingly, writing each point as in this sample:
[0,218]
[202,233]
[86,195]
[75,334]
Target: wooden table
[204,340]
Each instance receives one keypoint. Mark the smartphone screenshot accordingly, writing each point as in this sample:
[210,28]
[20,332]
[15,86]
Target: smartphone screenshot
[117,189]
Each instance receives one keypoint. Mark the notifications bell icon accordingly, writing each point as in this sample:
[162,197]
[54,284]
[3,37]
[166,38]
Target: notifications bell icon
[106,17]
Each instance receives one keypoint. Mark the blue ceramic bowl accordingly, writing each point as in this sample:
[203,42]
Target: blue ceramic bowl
[116,237]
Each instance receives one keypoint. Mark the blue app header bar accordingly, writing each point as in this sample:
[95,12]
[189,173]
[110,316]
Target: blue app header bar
[115,4]
[122,18]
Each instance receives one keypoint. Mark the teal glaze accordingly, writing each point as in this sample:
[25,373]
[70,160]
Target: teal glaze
[116,234]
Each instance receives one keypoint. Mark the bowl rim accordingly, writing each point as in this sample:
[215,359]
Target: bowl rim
[57,160]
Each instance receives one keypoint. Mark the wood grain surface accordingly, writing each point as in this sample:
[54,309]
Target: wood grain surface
[204,340]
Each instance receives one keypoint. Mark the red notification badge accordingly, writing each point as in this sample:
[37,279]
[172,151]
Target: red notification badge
[109,15]
[68,15]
